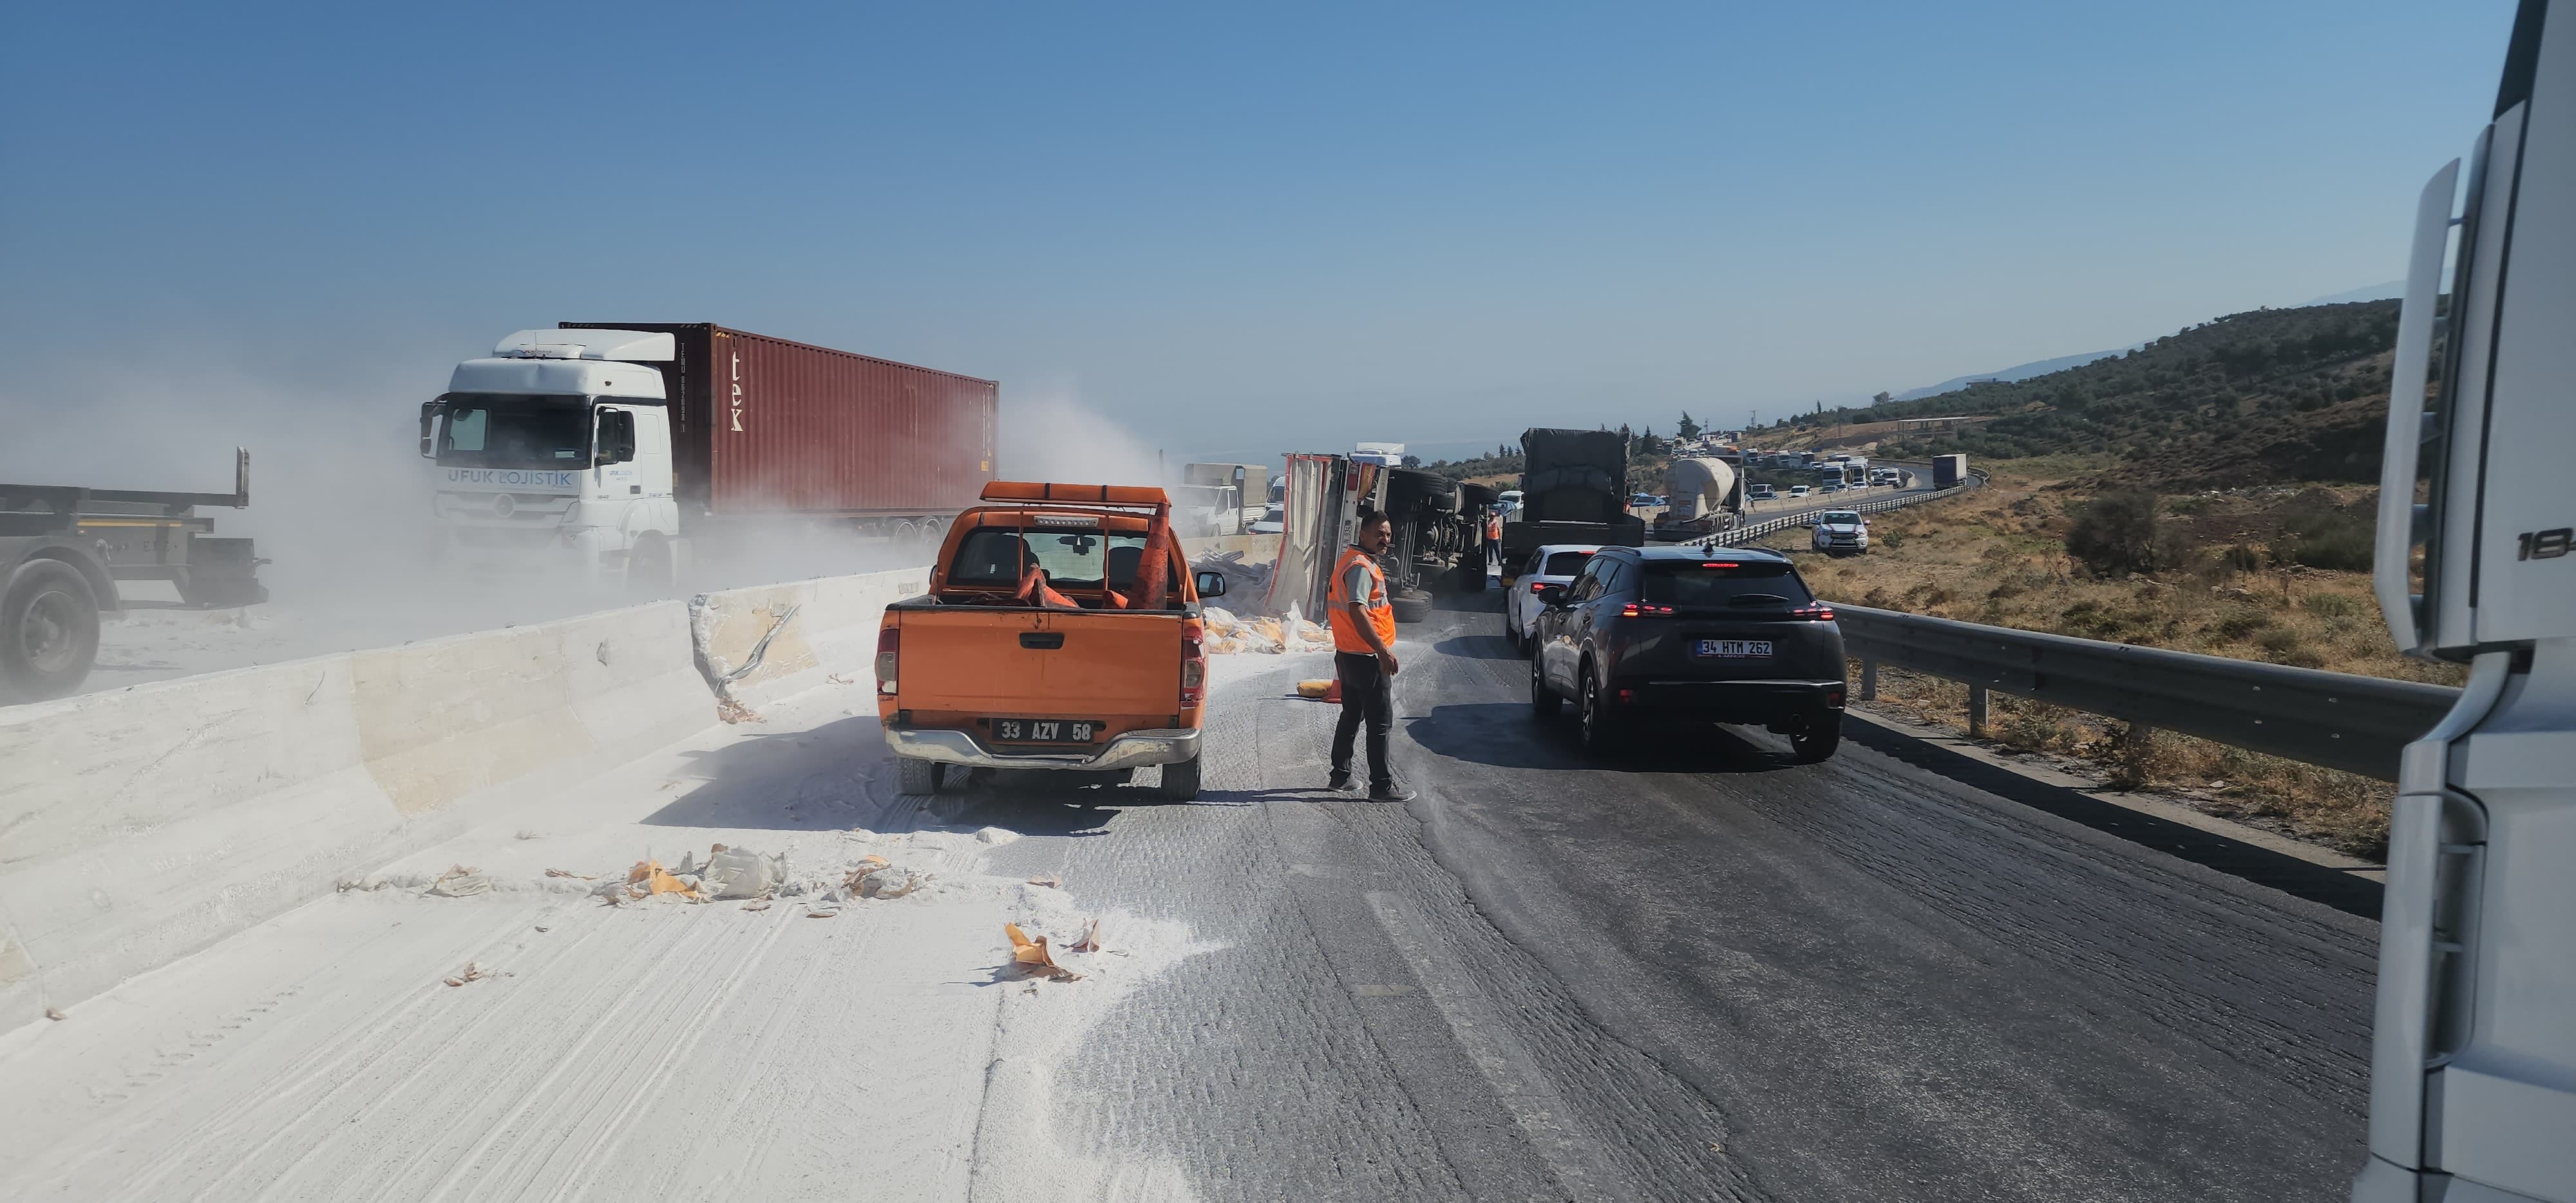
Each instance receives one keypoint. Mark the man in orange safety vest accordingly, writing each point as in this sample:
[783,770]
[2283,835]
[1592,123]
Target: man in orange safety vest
[1362,616]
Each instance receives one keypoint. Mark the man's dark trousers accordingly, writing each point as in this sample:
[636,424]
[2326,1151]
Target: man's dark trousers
[1368,694]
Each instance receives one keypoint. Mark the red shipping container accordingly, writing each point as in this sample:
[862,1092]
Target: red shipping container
[761,425]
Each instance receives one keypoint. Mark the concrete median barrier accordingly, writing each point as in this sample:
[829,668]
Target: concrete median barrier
[144,824]
[773,640]
[1256,549]
[140,825]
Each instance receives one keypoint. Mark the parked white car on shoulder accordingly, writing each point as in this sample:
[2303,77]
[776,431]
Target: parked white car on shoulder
[1273,520]
[1552,566]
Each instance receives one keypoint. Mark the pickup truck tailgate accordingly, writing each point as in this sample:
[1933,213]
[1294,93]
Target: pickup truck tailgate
[1001,662]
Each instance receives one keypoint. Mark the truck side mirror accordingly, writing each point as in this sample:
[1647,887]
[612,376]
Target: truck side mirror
[1210,584]
[429,411]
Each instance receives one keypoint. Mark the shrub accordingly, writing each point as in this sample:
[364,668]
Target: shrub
[2115,534]
[2331,605]
[2316,530]
[2241,624]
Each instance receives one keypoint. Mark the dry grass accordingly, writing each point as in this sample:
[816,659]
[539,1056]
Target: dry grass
[1996,555]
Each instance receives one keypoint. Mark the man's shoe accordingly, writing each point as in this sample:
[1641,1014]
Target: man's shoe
[1390,791]
[1340,780]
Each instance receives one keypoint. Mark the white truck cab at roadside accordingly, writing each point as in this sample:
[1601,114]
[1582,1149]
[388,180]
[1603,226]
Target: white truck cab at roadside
[2473,1060]
[558,442]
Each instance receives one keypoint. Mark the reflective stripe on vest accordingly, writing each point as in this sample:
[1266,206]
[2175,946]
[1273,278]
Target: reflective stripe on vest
[1381,612]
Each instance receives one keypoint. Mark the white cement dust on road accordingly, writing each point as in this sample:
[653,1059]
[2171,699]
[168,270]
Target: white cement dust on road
[652,1050]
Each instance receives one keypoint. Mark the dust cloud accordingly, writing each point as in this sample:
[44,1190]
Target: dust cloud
[1051,435]
[341,510]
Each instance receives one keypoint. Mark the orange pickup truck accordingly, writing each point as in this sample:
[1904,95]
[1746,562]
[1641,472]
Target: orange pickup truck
[1061,631]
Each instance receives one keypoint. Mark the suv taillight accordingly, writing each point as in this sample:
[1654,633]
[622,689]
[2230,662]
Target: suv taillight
[1818,612]
[1193,663]
[1644,610]
[889,649]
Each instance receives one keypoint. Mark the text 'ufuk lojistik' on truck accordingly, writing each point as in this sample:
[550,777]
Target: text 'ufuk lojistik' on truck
[626,450]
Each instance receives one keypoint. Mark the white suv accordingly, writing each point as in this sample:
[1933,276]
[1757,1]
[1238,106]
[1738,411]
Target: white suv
[1839,531]
[1554,565]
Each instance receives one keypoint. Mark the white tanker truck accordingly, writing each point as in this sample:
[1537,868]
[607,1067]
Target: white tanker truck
[1706,496]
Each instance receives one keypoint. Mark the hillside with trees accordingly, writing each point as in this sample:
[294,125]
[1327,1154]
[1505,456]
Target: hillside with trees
[2269,396]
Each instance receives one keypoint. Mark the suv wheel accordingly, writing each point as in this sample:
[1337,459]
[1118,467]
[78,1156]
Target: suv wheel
[1594,715]
[1543,705]
[1815,739]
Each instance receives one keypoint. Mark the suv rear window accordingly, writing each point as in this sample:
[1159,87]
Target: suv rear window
[1565,563]
[1722,583]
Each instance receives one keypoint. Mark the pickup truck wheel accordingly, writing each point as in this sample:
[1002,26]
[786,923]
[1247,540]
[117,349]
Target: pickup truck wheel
[48,630]
[920,777]
[1411,607]
[1181,781]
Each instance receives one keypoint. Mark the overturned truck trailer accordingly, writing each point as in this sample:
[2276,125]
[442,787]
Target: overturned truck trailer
[1437,521]
[1439,536]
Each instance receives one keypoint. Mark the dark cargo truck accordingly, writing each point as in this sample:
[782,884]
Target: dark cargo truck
[1574,489]
[63,548]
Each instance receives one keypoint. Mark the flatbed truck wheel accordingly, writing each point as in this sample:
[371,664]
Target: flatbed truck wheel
[48,630]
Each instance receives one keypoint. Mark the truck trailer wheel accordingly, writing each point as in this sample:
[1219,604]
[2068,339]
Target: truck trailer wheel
[917,777]
[1411,607]
[1180,781]
[48,630]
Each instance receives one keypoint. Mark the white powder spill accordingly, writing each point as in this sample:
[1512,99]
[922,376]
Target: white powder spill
[779,1048]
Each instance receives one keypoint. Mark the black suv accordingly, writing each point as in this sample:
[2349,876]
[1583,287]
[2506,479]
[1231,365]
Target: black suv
[1715,635]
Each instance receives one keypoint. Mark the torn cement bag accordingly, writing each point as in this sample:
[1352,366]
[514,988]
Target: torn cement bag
[741,873]
[461,882]
[1032,957]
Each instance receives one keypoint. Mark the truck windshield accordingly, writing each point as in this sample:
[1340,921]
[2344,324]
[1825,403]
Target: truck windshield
[994,556]
[488,430]
[1720,583]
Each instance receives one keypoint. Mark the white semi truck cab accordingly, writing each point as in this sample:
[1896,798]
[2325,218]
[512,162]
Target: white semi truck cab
[2473,1066]
[558,443]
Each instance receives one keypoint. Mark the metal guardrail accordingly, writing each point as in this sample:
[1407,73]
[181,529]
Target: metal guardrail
[2337,720]
[1758,530]
[2334,720]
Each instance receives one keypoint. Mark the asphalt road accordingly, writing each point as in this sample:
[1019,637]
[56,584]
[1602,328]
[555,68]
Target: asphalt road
[1703,973]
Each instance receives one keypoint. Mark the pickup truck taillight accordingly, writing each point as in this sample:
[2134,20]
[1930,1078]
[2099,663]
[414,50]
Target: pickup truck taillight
[889,649]
[1193,663]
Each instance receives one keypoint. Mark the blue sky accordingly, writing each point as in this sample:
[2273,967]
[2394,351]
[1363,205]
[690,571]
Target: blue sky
[1222,229]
